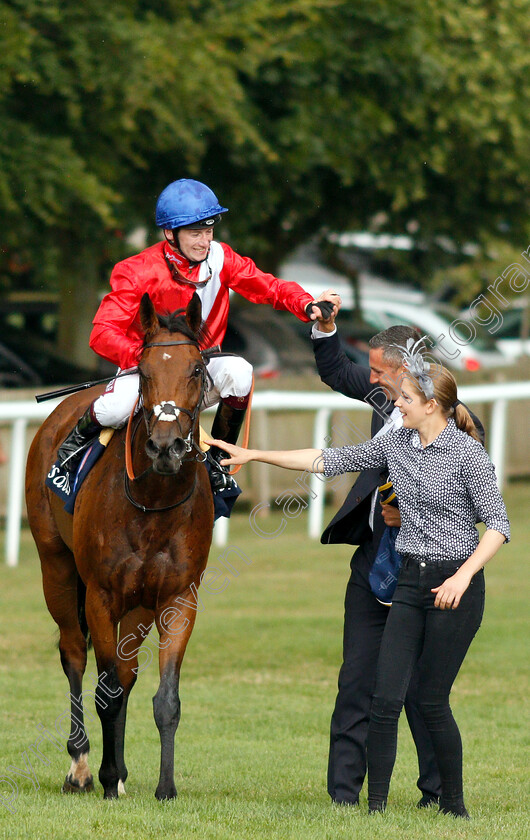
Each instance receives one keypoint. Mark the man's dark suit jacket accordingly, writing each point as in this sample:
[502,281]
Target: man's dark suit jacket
[350,525]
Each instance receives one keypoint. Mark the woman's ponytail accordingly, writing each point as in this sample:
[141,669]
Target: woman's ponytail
[464,422]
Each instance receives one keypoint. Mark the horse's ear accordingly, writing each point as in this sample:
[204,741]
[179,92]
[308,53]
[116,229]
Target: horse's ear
[148,317]
[194,313]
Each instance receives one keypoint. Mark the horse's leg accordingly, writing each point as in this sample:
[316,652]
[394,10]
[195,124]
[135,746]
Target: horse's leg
[109,691]
[64,592]
[134,627]
[175,623]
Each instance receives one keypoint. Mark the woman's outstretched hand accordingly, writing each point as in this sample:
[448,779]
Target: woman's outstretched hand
[235,454]
[290,459]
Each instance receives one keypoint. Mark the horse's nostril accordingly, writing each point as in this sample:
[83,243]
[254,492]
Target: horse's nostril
[152,448]
[156,451]
[178,447]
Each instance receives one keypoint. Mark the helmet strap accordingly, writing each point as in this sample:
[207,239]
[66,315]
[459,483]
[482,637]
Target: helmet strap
[176,244]
[180,277]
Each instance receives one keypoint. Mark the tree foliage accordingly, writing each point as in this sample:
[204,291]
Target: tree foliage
[415,109]
[301,115]
[467,279]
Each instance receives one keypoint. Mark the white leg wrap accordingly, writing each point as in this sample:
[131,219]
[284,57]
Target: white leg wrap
[113,408]
[232,377]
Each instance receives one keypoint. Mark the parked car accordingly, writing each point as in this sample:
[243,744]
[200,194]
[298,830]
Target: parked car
[384,304]
[270,340]
[306,268]
[453,343]
[14,371]
[244,338]
[513,334]
[353,335]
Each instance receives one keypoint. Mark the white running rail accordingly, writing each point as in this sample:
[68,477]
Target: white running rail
[322,404]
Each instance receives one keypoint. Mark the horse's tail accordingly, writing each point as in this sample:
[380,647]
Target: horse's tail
[81,614]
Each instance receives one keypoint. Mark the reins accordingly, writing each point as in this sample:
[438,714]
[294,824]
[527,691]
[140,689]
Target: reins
[130,433]
[129,470]
[128,443]
[246,433]
[129,436]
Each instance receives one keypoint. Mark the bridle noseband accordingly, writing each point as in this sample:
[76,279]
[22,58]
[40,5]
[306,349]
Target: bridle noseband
[168,411]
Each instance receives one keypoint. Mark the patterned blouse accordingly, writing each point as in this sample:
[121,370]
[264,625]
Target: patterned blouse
[444,489]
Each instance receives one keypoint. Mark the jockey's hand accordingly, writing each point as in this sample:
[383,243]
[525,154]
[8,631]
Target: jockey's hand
[332,303]
[235,454]
[391,516]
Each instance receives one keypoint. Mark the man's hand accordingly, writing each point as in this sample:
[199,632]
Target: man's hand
[324,315]
[391,516]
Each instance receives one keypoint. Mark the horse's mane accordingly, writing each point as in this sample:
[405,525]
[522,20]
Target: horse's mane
[176,322]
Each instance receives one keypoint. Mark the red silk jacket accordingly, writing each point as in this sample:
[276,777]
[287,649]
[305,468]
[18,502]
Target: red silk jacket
[117,334]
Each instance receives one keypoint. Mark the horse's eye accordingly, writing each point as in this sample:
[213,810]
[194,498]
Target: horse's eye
[198,370]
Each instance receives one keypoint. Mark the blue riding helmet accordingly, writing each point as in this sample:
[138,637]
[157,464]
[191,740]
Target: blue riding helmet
[187,202]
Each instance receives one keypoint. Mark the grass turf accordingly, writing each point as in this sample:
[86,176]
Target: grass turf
[258,685]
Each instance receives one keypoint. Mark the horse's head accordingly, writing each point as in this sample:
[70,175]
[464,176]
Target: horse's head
[172,382]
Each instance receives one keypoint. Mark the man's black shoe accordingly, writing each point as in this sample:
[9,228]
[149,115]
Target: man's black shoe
[457,809]
[427,800]
[346,803]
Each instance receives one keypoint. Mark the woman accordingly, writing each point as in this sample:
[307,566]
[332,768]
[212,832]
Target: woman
[445,483]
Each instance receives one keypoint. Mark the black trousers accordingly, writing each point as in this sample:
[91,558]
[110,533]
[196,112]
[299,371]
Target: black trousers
[433,642]
[364,623]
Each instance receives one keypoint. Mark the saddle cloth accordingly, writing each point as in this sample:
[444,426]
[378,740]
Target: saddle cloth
[64,484]
[67,486]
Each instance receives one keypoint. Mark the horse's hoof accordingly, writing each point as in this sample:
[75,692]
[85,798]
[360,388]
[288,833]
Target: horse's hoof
[162,795]
[71,785]
[111,794]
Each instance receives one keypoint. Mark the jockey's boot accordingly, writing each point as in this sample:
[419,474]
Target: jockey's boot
[71,450]
[226,426]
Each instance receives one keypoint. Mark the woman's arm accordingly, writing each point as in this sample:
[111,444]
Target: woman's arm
[294,459]
[449,594]
[371,453]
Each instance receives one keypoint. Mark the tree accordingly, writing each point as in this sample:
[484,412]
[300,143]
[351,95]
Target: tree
[302,116]
[102,105]
[415,109]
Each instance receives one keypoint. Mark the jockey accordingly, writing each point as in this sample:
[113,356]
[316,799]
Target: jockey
[188,260]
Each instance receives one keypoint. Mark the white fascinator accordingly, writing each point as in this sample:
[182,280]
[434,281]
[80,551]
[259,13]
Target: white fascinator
[417,366]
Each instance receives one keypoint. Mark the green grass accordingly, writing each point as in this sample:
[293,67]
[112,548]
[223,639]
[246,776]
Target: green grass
[257,689]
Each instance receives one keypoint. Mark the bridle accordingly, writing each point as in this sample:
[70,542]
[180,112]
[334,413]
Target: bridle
[171,411]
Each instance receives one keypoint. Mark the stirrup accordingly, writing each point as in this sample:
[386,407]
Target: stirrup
[220,478]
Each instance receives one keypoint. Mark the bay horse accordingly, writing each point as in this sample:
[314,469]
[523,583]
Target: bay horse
[133,551]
